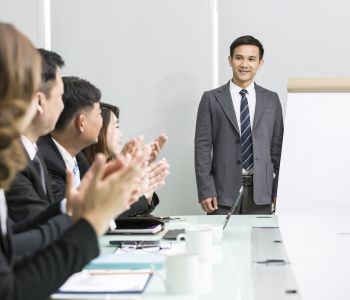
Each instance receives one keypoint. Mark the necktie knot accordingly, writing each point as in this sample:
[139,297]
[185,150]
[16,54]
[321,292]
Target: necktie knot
[243,92]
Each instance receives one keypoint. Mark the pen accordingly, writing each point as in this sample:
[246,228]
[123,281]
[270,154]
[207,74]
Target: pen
[272,261]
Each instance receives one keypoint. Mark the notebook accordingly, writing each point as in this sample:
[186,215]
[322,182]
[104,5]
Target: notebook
[138,225]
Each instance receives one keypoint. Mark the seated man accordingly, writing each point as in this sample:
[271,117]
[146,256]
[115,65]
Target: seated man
[105,192]
[34,214]
[77,128]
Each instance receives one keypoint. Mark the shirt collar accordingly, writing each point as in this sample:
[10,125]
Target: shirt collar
[236,89]
[30,147]
[69,160]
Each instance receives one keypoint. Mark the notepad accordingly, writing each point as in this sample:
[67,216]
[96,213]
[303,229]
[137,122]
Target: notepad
[134,230]
[107,281]
[138,225]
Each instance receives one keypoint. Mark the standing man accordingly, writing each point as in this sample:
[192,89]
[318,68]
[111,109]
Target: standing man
[238,138]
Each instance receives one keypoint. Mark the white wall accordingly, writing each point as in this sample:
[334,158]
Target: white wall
[152,59]
[27,16]
[301,38]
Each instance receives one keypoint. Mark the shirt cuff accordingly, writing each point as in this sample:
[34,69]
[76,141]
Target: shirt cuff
[63,205]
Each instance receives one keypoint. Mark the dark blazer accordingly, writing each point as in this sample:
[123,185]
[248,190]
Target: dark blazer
[26,196]
[56,165]
[57,169]
[218,158]
[39,231]
[35,216]
[36,277]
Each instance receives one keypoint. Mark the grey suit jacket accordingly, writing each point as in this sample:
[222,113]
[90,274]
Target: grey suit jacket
[218,157]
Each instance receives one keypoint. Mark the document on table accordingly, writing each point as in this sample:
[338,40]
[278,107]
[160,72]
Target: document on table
[107,281]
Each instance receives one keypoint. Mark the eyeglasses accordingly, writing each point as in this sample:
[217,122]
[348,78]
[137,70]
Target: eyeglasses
[146,246]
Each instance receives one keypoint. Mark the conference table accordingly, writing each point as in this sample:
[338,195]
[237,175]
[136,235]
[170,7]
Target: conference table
[250,263]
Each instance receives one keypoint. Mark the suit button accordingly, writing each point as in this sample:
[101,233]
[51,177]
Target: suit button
[238,162]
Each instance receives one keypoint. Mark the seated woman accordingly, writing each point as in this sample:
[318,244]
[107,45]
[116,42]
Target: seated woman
[104,192]
[109,143]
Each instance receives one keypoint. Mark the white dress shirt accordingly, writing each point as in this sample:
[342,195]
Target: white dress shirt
[30,147]
[70,161]
[236,99]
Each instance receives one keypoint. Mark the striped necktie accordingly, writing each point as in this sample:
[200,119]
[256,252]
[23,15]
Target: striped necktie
[246,133]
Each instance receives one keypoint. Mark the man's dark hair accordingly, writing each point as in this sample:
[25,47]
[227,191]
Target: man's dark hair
[50,62]
[247,40]
[79,95]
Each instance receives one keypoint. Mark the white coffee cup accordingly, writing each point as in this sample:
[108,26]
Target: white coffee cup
[182,276]
[217,231]
[198,240]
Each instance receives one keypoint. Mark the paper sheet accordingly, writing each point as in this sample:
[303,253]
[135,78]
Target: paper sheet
[107,281]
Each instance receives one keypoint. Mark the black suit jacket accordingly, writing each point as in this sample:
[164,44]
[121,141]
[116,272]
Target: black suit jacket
[39,231]
[35,216]
[57,169]
[36,277]
[26,196]
[56,165]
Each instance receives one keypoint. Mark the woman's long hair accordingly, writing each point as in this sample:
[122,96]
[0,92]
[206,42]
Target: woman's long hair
[102,146]
[20,66]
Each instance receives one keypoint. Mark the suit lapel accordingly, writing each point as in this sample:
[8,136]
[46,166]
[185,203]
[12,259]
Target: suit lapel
[37,184]
[49,192]
[36,180]
[223,96]
[53,146]
[261,102]
[82,164]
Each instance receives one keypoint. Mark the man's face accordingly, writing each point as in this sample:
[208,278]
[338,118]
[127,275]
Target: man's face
[51,106]
[92,124]
[245,64]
